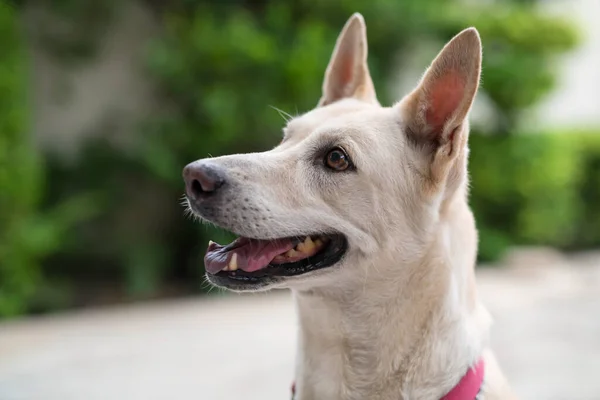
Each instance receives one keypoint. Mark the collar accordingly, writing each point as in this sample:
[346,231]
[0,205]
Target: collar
[467,389]
[470,385]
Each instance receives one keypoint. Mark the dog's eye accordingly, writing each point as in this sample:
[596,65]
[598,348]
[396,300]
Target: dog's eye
[337,160]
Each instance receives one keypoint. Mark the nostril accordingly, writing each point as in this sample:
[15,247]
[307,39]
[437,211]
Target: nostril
[197,187]
[202,180]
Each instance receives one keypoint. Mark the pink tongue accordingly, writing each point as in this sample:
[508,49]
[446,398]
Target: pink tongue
[252,254]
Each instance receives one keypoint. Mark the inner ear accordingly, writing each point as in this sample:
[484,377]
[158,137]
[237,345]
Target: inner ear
[444,99]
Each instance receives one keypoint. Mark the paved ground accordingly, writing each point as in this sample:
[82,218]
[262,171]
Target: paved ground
[547,336]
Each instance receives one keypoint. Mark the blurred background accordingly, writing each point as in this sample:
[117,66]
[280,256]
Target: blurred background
[102,103]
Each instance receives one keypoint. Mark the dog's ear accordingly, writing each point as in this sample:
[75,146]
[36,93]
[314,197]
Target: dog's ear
[347,74]
[436,111]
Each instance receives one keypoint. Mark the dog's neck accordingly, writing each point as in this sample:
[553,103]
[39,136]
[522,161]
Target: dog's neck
[389,338]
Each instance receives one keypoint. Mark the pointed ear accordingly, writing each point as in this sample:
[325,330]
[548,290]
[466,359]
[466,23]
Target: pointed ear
[436,111]
[347,74]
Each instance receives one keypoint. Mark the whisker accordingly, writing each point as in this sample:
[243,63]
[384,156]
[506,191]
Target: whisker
[286,116]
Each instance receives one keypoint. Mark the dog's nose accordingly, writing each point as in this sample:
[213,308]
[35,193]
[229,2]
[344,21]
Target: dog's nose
[202,179]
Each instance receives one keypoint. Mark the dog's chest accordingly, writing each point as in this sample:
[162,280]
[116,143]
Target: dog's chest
[353,372]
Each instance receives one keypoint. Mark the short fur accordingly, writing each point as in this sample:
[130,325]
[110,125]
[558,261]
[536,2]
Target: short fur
[398,317]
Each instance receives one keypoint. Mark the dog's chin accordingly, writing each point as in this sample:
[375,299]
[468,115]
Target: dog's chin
[309,256]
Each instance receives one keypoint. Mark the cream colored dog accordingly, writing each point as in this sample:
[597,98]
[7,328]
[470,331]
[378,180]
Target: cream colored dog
[362,212]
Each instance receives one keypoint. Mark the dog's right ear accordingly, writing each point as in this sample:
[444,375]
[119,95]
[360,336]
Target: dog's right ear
[347,74]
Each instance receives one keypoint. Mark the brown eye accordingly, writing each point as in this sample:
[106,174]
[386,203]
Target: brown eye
[337,160]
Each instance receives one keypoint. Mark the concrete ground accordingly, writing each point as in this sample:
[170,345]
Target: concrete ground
[546,335]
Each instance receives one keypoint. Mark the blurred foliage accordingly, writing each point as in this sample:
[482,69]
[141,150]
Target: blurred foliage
[27,234]
[217,67]
[20,182]
[541,189]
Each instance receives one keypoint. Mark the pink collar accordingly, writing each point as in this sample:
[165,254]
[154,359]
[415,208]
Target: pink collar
[470,384]
[467,389]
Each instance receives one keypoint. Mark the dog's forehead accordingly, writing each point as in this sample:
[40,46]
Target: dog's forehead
[339,113]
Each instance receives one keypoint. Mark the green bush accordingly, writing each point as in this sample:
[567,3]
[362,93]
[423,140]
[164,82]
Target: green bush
[19,175]
[23,239]
[28,232]
[588,234]
[536,189]
[218,66]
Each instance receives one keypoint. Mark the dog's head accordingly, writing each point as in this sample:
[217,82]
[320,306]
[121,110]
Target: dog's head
[351,180]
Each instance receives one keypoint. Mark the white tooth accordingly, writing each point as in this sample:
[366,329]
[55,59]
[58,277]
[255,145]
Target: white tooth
[318,243]
[233,266]
[210,242]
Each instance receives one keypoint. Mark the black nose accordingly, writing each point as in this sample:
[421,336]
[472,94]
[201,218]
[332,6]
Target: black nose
[202,179]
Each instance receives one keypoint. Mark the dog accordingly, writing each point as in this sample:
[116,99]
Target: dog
[362,212]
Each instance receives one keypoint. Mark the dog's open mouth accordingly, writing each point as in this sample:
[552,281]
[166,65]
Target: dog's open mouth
[248,259]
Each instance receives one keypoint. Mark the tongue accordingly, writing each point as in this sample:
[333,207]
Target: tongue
[252,254]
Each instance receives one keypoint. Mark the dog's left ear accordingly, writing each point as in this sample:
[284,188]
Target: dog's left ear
[347,74]
[436,111]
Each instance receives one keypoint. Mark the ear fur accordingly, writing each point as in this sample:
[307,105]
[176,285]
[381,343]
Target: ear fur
[347,74]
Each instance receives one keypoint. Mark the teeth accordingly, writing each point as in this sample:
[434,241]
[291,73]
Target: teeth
[307,246]
[210,242]
[233,266]
[291,253]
